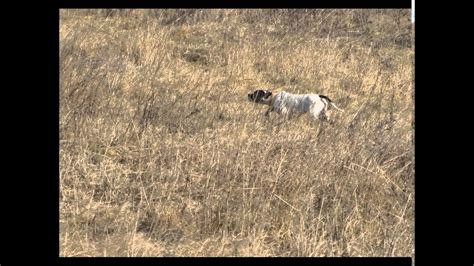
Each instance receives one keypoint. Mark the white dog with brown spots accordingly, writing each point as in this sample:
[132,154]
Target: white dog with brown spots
[289,104]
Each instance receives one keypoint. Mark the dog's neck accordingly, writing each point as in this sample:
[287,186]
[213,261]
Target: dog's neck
[268,101]
[272,98]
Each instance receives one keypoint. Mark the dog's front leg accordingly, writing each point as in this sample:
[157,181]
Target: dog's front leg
[267,113]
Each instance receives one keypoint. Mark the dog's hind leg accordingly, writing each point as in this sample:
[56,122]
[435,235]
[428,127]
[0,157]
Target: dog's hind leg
[320,128]
[324,116]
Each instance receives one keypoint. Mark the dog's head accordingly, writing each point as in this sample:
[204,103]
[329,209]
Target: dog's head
[261,96]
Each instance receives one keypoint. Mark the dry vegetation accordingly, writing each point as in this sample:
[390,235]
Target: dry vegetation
[161,154]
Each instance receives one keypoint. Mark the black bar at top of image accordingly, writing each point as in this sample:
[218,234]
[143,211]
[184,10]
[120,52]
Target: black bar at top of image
[236,4]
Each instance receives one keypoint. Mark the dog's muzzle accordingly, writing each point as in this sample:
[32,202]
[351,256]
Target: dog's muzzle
[250,96]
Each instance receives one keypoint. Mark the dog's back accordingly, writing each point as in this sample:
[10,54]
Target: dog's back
[294,103]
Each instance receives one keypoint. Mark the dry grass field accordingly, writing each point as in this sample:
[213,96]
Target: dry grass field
[161,153]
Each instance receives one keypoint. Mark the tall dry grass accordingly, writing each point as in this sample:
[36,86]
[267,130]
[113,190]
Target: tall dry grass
[161,154]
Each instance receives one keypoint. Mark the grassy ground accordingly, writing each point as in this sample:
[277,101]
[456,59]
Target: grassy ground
[161,154]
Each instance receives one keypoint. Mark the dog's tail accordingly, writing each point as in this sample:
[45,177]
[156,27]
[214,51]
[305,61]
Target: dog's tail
[337,108]
[331,103]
